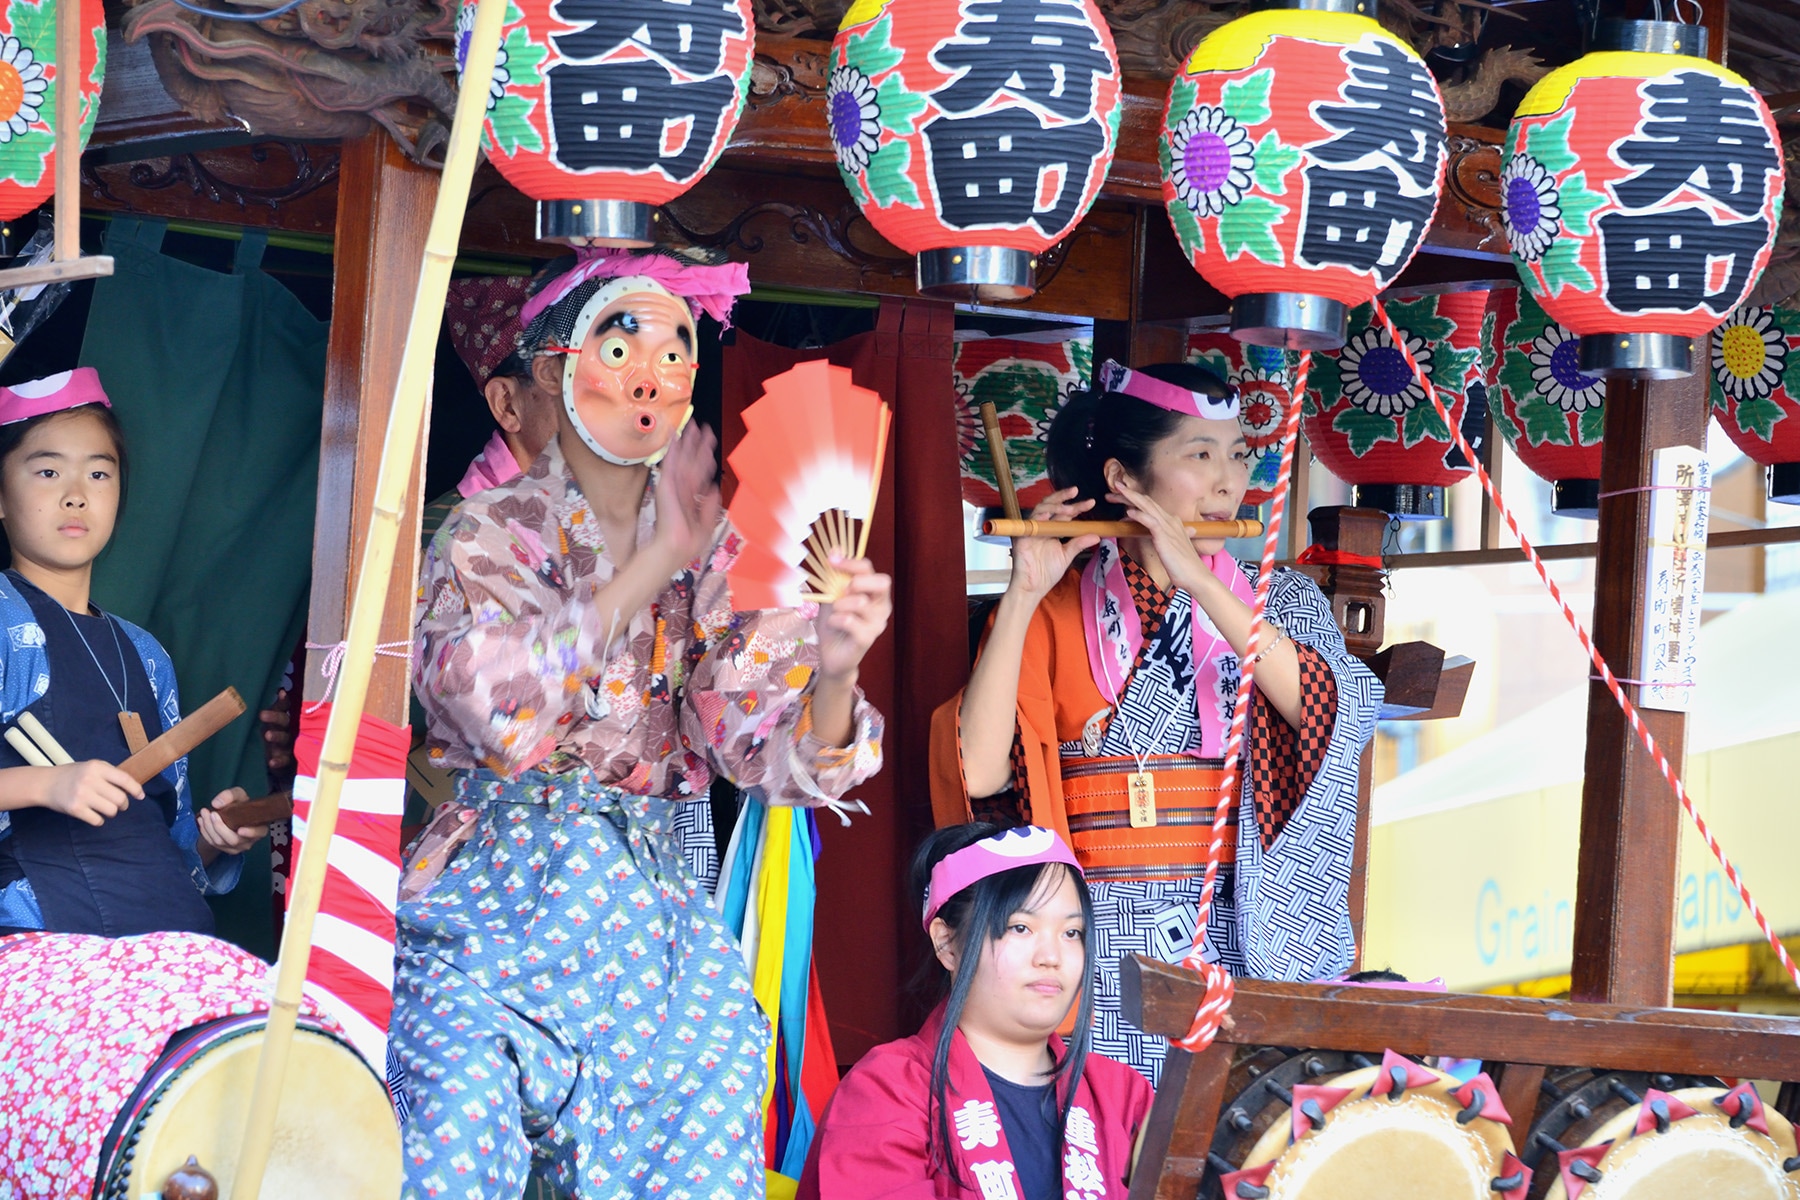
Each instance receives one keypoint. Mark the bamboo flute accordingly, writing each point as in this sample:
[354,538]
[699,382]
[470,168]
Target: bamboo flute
[362,634]
[1116,529]
[996,442]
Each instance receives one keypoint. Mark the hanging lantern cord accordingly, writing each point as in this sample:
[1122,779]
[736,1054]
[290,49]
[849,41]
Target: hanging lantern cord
[1632,716]
[1219,987]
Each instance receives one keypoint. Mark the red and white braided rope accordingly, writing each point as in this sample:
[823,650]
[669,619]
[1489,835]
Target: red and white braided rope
[1587,643]
[1217,1000]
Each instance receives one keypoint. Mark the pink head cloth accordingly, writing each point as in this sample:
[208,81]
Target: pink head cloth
[1114,378]
[1026,846]
[707,289]
[494,466]
[53,393]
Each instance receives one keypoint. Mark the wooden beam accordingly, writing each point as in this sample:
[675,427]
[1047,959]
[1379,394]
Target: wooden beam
[1725,539]
[1161,999]
[1626,875]
[383,214]
[1179,1130]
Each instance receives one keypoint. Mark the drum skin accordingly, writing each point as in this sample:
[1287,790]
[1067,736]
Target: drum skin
[1373,1148]
[335,1135]
[1697,1156]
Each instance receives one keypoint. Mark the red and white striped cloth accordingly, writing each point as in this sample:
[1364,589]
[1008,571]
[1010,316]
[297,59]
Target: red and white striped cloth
[351,974]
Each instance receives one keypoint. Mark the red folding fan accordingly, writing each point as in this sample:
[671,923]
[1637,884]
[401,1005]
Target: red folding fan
[808,470]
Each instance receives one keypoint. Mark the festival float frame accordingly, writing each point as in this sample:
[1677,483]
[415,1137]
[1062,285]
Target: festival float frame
[1366,414]
[1548,409]
[1755,390]
[974,134]
[602,112]
[1641,194]
[1281,173]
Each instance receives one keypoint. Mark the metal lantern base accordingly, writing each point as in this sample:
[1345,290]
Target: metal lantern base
[1637,355]
[1407,501]
[1364,8]
[1290,320]
[1784,483]
[625,223]
[1650,37]
[1576,498]
[978,273]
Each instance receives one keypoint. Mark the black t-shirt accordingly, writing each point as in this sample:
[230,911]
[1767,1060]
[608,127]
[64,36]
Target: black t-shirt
[1028,1115]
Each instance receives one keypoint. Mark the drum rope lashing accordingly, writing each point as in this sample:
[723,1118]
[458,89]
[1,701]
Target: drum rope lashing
[1216,1001]
[1630,709]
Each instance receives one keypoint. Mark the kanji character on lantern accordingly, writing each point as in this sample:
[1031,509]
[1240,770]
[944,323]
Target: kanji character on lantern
[605,110]
[1641,189]
[1303,149]
[974,133]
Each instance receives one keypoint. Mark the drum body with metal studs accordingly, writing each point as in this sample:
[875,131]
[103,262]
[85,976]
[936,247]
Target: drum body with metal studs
[1321,1125]
[120,1058]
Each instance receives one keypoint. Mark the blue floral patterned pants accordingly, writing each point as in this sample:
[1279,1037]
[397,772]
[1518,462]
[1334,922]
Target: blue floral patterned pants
[566,994]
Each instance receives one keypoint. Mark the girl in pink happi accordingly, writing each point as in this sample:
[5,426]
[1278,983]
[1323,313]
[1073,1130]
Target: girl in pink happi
[986,1101]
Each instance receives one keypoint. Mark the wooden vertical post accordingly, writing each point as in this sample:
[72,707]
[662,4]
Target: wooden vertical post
[1630,824]
[384,210]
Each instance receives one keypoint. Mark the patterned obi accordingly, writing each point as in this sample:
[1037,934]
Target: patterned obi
[1096,801]
[643,822]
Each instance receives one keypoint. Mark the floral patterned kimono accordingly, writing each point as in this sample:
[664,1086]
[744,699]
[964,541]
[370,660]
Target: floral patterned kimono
[566,993]
[1282,907]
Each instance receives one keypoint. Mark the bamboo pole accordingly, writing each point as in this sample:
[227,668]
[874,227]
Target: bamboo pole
[1115,529]
[67,244]
[363,630]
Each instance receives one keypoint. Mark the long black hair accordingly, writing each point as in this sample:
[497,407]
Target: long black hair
[978,915]
[13,435]
[1096,425]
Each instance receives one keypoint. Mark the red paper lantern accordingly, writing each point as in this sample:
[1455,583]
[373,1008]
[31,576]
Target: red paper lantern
[1641,192]
[1302,155]
[1368,419]
[974,134]
[29,77]
[1550,411]
[1264,381]
[1027,383]
[1756,391]
[602,109]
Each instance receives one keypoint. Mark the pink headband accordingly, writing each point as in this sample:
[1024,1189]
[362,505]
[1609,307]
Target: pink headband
[710,290]
[1026,846]
[1115,378]
[53,393]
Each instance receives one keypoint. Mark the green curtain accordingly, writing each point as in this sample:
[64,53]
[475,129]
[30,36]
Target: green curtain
[218,381]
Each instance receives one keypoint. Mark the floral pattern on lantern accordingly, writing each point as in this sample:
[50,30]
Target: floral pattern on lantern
[1028,383]
[1550,412]
[973,122]
[1366,414]
[604,101]
[1641,193]
[1274,117]
[29,77]
[1756,382]
[1264,379]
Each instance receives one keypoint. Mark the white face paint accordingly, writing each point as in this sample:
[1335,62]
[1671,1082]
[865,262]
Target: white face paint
[628,385]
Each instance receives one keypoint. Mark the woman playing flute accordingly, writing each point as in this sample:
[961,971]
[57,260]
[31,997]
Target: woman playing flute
[1102,700]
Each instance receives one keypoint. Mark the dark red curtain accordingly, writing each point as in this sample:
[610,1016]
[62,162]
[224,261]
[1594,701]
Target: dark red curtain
[867,935]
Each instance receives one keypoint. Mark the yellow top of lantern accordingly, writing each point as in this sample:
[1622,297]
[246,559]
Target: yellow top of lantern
[861,11]
[1236,46]
[1551,92]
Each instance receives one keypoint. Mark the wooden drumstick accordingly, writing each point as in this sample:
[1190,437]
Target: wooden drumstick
[35,730]
[264,810]
[27,751]
[195,728]
[1116,529]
